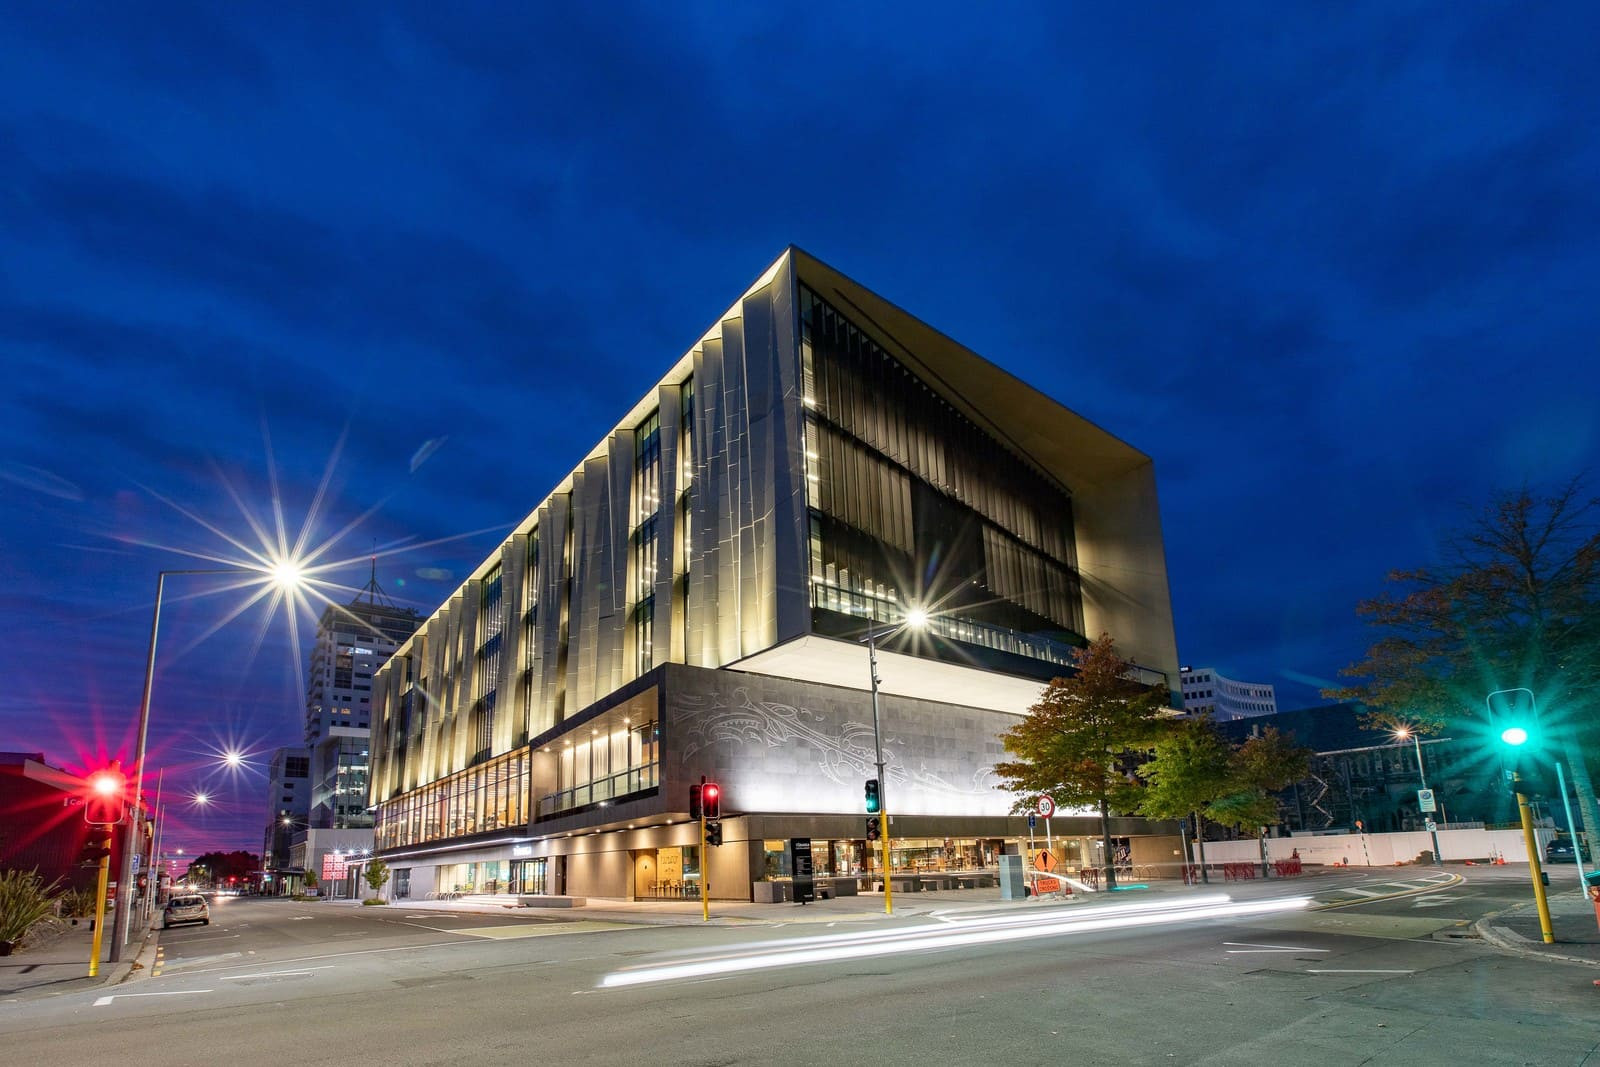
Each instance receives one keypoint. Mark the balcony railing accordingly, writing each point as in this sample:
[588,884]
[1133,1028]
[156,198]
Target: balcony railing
[621,784]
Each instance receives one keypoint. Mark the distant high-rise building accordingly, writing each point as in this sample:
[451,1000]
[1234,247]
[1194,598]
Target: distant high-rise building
[288,785]
[322,785]
[352,642]
[1206,692]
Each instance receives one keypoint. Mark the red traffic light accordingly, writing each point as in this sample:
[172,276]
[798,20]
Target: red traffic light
[711,800]
[105,799]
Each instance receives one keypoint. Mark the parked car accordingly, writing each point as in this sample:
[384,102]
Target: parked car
[1560,850]
[187,908]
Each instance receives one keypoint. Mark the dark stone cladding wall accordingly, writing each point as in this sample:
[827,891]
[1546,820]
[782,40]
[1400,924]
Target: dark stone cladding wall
[777,745]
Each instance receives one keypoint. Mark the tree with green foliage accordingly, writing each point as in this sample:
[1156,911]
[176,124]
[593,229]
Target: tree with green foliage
[1078,744]
[1195,770]
[225,868]
[1190,770]
[1513,603]
[1257,769]
[376,874]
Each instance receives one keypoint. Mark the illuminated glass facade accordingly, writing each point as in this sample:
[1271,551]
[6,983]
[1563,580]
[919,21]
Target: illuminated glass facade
[688,601]
[475,801]
[911,503]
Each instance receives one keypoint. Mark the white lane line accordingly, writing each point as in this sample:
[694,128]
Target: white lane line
[357,952]
[274,974]
[1279,948]
[1310,970]
[1270,951]
[103,1001]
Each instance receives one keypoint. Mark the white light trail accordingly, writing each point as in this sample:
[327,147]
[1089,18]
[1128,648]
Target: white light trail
[976,932]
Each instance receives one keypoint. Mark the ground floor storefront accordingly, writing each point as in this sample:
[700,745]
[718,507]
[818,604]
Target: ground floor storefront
[668,861]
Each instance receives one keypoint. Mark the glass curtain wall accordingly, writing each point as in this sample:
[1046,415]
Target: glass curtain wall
[912,503]
[646,543]
[491,796]
[487,667]
[605,766]
[530,622]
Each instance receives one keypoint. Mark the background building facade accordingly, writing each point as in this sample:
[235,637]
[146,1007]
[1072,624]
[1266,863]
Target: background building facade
[689,601]
[323,785]
[289,790]
[1207,692]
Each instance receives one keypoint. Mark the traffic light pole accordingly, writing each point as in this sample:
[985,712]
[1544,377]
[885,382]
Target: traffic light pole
[1534,869]
[99,914]
[705,873]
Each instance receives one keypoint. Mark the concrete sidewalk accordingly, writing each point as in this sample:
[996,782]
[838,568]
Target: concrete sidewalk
[55,960]
[1572,920]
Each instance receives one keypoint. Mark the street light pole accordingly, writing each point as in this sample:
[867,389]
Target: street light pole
[883,792]
[915,618]
[284,574]
[1422,776]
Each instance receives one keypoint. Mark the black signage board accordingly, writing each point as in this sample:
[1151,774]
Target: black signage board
[805,885]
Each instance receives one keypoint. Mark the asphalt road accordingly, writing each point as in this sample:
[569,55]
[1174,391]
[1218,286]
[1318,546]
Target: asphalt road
[1378,981]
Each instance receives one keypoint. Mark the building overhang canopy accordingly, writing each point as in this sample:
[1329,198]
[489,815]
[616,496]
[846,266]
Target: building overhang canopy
[844,663]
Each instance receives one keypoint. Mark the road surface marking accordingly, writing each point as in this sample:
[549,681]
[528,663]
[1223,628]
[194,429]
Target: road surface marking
[504,933]
[1435,900]
[1310,970]
[1273,948]
[274,974]
[103,1001]
[341,955]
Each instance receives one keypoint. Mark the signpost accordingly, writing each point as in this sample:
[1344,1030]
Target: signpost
[1425,800]
[805,885]
[1047,808]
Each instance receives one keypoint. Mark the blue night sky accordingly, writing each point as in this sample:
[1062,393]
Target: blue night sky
[1335,273]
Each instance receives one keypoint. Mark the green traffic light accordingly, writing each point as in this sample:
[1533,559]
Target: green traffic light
[1514,735]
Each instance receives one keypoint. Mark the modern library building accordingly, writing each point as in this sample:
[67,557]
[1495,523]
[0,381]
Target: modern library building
[691,602]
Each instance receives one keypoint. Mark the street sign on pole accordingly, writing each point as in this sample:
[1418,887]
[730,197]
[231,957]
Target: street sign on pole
[1047,807]
[1425,800]
[1033,820]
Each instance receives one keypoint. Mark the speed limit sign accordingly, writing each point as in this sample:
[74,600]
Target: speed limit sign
[1047,807]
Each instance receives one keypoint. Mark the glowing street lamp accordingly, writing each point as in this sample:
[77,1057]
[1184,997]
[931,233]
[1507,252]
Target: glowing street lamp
[916,619]
[1402,733]
[286,575]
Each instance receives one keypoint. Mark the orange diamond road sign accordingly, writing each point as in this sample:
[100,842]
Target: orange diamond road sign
[1044,860]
